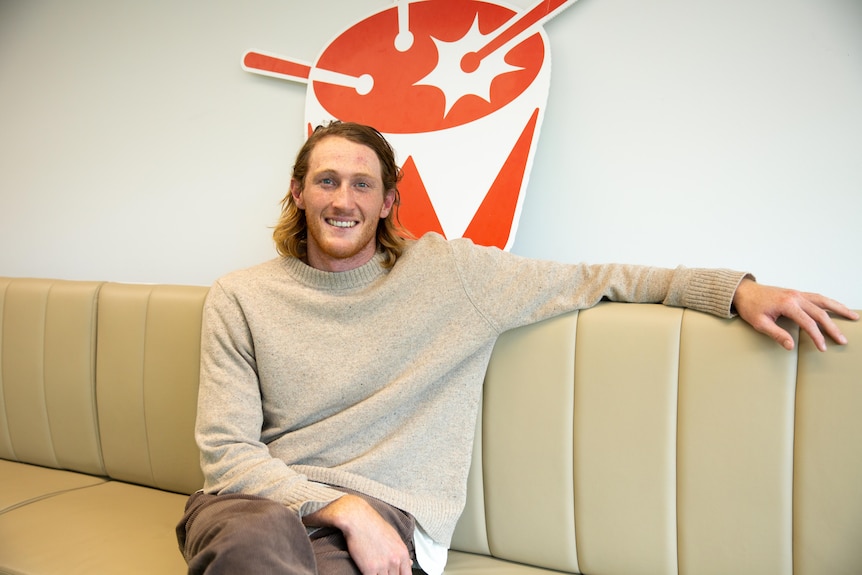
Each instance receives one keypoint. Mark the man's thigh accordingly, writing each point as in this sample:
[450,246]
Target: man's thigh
[221,533]
[238,533]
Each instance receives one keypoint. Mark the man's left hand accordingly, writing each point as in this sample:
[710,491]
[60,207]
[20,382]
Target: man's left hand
[762,305]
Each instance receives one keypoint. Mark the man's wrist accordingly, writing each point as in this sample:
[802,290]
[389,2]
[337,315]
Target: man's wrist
[337,514]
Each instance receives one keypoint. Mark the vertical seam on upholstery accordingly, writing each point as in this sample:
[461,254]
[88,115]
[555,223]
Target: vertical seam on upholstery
[482,465]
[94,362]
[574,441]
[676,443]
[2,384]
[144,384]
[793,454]
[44,374]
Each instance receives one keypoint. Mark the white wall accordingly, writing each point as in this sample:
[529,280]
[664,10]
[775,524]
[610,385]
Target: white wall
[134,148]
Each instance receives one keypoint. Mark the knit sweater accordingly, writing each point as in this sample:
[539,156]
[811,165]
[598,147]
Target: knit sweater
[371,379]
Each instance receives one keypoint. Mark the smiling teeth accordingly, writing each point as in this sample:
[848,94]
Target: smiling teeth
[340,224]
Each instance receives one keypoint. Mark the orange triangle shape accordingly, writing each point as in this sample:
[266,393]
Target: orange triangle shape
[492,224]
[416,213]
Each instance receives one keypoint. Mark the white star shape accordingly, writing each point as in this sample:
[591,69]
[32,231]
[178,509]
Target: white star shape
[453,81]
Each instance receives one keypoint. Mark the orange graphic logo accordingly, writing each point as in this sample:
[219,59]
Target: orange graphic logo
[458,87]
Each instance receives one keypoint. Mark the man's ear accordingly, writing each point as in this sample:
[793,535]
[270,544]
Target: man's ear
[296,192]
[388,202]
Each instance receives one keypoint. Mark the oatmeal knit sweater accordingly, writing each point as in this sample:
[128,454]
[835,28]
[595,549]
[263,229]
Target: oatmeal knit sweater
[370,379]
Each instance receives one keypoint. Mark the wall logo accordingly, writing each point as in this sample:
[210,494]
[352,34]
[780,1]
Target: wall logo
[458,87]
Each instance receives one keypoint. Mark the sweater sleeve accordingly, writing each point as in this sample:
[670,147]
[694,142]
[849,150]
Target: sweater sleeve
[511,291]
[230,416]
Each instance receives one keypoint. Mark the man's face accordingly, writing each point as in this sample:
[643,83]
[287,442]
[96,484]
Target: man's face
[343,199]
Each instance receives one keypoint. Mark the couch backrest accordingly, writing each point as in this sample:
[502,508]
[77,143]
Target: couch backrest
[47,374]
[635,439]
[622,439]
[147,364]
[101,378]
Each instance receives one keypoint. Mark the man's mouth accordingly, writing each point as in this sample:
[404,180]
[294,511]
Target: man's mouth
[341,223]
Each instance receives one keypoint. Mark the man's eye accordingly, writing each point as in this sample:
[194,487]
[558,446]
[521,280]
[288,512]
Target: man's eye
[327,181]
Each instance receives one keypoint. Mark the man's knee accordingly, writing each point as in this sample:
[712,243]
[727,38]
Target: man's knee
[223,533]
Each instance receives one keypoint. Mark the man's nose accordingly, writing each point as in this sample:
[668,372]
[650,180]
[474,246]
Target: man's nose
[343,196]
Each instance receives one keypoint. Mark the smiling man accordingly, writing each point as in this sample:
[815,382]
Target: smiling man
[344,198]
[340,382]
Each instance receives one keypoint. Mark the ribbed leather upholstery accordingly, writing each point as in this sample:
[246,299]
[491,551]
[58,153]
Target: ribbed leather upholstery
[108,391]
[623,440]
[47,375]
[640,439]
[148,362]
[625,413]
[735,449]
[827,478]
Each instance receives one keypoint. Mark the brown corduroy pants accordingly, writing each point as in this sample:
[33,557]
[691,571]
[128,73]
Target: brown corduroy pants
[235,533]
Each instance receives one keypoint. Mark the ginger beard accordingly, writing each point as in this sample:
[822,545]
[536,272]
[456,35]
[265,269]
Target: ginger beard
[343,200]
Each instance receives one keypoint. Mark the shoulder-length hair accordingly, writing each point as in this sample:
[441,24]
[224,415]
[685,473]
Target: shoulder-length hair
[291,232]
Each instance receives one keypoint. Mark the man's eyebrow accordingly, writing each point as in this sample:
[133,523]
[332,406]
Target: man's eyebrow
[334,172]
[324,172]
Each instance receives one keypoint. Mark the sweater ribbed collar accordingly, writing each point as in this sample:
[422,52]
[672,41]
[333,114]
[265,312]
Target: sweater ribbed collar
[351,279]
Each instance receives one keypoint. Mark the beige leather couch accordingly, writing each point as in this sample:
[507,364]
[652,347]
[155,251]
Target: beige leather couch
[626,439]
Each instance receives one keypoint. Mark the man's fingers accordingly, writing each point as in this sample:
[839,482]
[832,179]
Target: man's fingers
[783,338]
[817,311]
[824,306]
[830,305]
[768,326]
[813,318]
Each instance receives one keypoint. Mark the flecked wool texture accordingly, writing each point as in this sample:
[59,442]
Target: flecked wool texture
[371,379]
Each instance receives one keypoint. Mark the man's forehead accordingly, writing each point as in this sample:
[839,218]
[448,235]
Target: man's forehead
[340,155]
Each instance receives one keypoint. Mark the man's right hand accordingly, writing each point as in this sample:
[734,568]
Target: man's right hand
[374,545]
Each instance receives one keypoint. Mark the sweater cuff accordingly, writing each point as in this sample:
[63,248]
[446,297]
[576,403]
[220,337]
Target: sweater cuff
[706,290]
[312,497]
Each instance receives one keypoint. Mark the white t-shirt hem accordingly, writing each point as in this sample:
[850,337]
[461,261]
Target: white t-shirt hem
[430,555]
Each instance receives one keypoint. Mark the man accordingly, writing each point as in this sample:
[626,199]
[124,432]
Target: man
[340,383]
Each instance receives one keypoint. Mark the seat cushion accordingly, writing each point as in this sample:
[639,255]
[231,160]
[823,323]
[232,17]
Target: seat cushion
[21,483]
[460,563]
[107,528]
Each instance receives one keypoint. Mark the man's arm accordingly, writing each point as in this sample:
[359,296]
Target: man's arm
[234,456]
[374,545]
[761,305]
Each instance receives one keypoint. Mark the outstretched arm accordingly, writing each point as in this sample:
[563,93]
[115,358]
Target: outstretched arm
[761,305]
